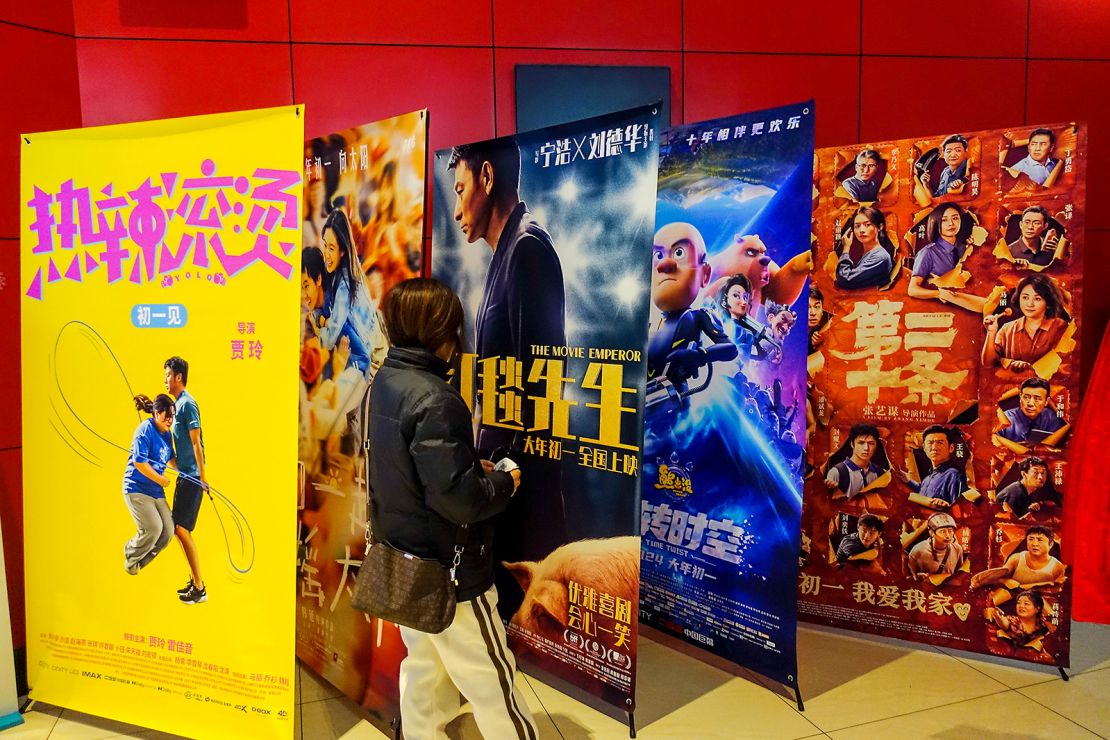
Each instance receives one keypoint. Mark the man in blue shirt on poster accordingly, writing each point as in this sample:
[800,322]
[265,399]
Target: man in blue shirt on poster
[944,483]
[188,441]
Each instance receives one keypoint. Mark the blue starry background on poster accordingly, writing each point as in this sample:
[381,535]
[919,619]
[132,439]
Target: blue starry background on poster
[724,449]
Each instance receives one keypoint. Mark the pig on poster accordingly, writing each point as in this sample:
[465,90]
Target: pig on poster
[725,413]
[546,237]
[159,268]
[944,361]
[363,233]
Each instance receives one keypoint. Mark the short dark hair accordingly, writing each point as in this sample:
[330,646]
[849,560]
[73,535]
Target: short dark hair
[312,263]
[1038,209]
[952,435]
[178,366]
[816,294]
[871,522]
[954,139]
[1041,529]
[1031,462]
[860,430]
[422,312]
[503,154]
[869,154]
[1043,132]
[738,279]
[1037,383]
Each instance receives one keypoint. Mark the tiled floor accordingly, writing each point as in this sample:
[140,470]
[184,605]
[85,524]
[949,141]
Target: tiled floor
[854,687]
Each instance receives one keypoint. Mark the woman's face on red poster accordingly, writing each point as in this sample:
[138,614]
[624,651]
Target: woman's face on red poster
[1031,303]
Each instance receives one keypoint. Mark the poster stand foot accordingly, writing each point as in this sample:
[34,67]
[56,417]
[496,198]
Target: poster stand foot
[632,724]
[798,695]
[27,705]
[395,725]
[1064,674]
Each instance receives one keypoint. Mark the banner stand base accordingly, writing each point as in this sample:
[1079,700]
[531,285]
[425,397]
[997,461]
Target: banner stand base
[798,696]
[632,725]
[1063,674]
[395,725]
[27,705]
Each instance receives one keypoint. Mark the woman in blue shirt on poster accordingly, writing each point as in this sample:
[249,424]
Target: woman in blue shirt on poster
[348,309]
[144,480]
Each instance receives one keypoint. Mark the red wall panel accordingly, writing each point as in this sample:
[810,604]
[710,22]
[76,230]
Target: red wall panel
[508,59]
[904,97]
[128,80]
[343,86]
[722,84]
[1060,91]
[48,15]
[10,387]
[40,86]
[799,26]
[1069,29]
[438,22]
[238,20]
[957,28]
[588,24]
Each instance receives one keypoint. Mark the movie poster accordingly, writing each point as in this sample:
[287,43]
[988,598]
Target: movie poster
[725,410]
[363,226]
[159,273]
[546,236]
[944,377]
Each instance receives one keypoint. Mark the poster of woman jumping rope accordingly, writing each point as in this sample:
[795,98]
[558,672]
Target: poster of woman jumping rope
[159,269]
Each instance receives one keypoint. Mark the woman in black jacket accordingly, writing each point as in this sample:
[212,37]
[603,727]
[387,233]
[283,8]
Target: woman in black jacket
[426,481]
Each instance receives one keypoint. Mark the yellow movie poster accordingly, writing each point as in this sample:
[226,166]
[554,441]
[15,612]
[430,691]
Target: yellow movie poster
[159,276]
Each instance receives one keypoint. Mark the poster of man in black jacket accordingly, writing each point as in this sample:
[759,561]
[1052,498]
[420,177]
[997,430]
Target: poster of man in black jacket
[522,308]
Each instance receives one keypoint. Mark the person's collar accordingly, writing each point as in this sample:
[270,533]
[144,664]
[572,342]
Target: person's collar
[417,358]
[509,229]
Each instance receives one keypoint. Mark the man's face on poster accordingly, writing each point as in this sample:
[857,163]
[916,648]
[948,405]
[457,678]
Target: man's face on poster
[816,311]
[954,154]
[937,448]
[1037,544]
[863,447]
[1034,478]
[1033,401]
[311,291]
[1040,146]
[1032,225]
[868,535]
[943,537]
[866,168]
[473,204]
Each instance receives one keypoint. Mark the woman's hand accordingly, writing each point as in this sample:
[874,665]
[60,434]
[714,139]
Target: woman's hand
[487,466]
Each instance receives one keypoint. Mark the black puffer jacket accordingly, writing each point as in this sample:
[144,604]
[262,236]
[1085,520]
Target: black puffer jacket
[425,475]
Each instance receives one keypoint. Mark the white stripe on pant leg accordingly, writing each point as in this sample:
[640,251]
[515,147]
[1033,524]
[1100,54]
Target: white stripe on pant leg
[497,648]
[503,675]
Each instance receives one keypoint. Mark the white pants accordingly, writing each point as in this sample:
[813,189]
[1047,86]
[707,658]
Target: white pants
[471,657]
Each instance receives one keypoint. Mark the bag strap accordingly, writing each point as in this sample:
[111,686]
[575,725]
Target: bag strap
[461,534]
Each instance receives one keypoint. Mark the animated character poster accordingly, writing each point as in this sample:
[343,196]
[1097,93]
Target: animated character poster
[943,340]
[725,413]
[159,272]
[546,236]
[363,233]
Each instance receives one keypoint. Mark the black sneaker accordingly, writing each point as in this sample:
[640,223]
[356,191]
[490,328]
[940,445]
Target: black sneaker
[194,595]
[185,589]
